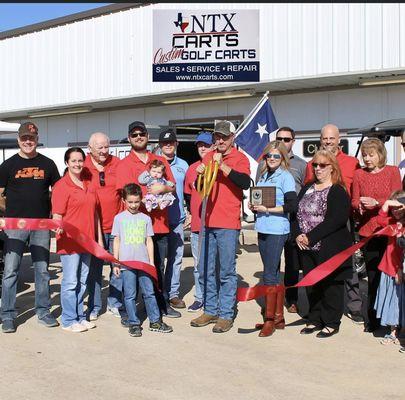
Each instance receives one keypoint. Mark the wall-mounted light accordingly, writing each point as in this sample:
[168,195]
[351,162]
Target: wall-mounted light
[60,111]
[382,80]
[209,97]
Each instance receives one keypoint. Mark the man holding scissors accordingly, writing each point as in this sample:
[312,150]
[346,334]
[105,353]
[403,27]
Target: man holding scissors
[222,227]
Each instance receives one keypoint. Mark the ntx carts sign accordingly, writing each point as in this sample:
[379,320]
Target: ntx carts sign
[206,45]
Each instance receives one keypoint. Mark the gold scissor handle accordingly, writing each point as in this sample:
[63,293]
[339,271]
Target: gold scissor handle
[205,181]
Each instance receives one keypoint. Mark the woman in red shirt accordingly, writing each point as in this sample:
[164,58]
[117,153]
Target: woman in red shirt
[74,201]
[372,186]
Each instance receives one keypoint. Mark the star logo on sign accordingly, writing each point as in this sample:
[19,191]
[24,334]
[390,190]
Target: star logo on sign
[261,130]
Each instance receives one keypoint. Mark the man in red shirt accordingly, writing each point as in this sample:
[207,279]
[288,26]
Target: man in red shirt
[222,227]
[102,169]
[330,139]
[128,171]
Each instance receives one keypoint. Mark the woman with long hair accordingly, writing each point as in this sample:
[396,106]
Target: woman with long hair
[321,232]
[74,201]
[273,225]
[372,186]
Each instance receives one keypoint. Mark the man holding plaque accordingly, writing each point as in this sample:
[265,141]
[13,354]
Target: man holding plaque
[222,227]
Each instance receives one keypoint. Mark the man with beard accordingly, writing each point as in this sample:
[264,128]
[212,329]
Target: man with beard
[128,171]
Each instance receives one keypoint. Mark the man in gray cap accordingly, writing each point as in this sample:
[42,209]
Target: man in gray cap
[222,228]
[25,179]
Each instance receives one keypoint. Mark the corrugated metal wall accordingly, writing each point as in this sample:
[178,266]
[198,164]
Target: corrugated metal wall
[110,56]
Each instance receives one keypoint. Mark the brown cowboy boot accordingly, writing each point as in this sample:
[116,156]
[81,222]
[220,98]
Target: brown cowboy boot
[279,321]
[267,329]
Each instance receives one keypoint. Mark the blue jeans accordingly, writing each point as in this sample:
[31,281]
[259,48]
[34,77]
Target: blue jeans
[219,301]
[94,282]
[129,279]
[194,252]
[175,253]
[270,248]
[75,271]
[14,247]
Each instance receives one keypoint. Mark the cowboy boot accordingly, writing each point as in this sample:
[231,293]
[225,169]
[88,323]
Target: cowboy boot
[268,326]
[263,311]
[279,321]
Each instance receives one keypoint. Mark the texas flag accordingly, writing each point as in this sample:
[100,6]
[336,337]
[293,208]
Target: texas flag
[253,134]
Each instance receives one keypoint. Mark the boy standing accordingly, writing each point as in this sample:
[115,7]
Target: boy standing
[132,232]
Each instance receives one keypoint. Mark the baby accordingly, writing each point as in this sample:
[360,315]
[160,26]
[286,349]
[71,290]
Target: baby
[149,178]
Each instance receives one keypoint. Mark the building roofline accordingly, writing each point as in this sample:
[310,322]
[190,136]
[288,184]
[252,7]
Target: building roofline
[67,19]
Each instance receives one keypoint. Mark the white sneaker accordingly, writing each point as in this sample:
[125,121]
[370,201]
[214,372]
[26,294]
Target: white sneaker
[88,324]
[75,328]
[93,317]
[114,311]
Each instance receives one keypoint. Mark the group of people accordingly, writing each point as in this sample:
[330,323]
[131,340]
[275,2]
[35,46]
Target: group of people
[137,209]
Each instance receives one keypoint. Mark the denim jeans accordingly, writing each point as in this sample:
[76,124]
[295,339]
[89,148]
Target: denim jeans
[174,258]
[75,271]
[95,279]
[270,248]
[130,278]
[219,300]
[194,252]
[39,242]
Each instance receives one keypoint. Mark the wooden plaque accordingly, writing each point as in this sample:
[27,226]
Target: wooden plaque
[263,196]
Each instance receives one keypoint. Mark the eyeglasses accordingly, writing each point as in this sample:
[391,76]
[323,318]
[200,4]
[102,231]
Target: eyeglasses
[320,165]
[101,177]
[275,156]
[284,139]
[135,135]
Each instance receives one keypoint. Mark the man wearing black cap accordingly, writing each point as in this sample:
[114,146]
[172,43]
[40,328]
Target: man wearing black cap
[25,179]
[128,171]
[168,144]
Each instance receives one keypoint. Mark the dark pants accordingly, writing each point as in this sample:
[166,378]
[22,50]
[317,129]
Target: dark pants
[352,286]
[373,252]
[160,247]
[293,264]
[326,298]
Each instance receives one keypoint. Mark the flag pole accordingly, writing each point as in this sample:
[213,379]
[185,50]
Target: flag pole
[242,125]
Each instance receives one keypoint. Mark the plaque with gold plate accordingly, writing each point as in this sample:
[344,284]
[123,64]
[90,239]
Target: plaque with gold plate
[263,196]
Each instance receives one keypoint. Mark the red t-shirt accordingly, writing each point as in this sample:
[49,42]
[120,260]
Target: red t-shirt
[77,206]
[128,171]
[347,164]
[379,186]
[108,195]
[225,199]
[196,199]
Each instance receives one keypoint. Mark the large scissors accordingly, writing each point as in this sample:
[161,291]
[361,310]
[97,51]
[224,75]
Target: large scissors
[205,183]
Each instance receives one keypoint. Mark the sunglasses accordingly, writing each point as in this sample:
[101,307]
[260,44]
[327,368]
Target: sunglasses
[275,156]
[135,135]
[284,139]
[101,178]
[320,165]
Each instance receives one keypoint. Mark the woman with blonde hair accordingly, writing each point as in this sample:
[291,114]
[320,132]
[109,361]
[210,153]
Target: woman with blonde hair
[321,232]
[372,186]
[273,226]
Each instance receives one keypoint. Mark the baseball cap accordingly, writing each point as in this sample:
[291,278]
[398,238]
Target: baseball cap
[137,125]
[28,128]
[167,136]
[224,127]
[205,137]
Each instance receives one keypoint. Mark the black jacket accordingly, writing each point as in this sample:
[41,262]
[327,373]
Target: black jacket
[332,232]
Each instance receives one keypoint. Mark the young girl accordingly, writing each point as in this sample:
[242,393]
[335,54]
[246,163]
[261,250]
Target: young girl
[132,232]
[390,300]
[151,177]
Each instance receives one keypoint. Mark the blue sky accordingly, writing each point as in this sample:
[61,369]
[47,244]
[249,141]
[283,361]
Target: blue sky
[16,15]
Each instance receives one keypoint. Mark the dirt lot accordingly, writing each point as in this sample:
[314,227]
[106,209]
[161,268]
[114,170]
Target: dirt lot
[193,363]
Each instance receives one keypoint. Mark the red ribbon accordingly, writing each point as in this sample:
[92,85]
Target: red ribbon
[88,244]
[321,271]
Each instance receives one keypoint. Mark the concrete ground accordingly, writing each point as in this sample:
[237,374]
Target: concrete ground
[192,363]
